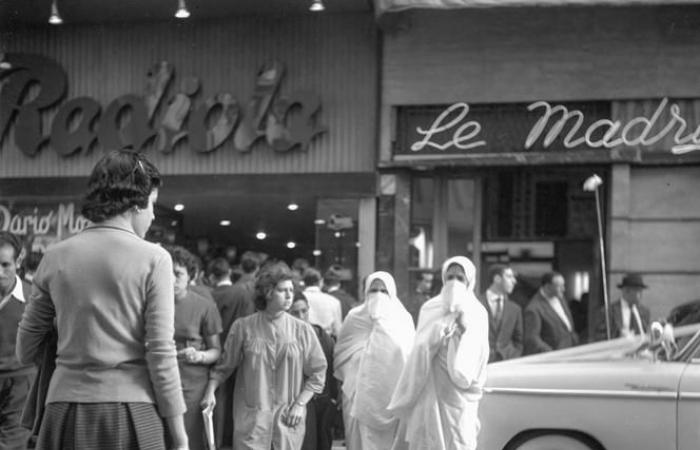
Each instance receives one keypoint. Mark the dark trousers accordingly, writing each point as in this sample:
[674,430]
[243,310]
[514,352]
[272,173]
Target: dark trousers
[320,418]
[223,413]
[13,394]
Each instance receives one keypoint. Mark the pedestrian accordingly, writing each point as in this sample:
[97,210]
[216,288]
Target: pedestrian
[197,330]
[15,377]
[437,395]
[332,286]
[505,316]
[233,301]
[374,343]
[280,366]
[628,316]
[324,309]
[547,321]
[321,410]
[110,293]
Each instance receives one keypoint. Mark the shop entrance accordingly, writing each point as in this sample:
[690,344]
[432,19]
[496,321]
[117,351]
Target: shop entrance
[534,219]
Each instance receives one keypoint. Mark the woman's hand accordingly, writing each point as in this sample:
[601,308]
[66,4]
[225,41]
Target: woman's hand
[208,400]
[190,355]
[293,415]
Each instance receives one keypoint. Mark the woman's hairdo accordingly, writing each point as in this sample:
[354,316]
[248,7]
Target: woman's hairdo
[119,181]
[182,257]
[268,278]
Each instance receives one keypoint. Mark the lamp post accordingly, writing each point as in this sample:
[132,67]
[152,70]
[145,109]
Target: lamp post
[592,184]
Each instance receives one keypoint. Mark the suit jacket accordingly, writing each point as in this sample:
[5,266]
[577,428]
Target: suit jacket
[506,337]
[347,301]
[544,329]
[616,321]
[233,303]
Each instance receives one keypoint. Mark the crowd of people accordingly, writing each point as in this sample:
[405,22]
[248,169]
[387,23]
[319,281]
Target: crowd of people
[123,343]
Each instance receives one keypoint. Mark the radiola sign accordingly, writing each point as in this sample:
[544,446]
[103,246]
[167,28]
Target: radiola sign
[35,83]
[508,128]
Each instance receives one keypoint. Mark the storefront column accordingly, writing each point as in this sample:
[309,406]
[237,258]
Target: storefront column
[367,230]
[618,226]
[402,232]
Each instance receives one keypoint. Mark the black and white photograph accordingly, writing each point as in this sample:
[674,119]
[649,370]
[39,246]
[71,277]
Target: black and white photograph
[350,224]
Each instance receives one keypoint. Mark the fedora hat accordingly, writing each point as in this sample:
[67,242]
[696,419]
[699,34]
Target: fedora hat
[632,280]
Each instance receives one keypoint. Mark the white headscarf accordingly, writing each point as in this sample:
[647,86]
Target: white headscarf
[374,343]
[454,294]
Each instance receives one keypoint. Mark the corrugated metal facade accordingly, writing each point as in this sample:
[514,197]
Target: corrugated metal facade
[333,55]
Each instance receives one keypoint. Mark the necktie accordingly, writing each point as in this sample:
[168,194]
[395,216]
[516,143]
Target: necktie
[499,309]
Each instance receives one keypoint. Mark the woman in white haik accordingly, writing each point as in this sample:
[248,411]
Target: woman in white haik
[437,396]
[374,342]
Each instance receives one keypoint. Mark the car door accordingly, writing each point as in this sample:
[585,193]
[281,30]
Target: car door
[689,406]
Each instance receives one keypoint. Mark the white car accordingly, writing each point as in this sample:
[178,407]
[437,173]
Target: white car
[634,393]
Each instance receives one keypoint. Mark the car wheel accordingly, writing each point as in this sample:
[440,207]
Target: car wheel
[553,442]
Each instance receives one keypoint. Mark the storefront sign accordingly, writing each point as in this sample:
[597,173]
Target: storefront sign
[35,83]
[555,126]
[43,225]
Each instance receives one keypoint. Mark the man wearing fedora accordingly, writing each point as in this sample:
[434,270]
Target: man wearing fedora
[627,315]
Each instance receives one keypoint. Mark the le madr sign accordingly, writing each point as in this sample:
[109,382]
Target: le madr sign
[542,126]
[32,84]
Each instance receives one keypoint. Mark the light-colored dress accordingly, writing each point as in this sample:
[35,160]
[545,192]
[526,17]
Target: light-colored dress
[373,346]
[276,360]
[438,393]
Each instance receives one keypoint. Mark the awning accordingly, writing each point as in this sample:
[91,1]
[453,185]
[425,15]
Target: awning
[384,6]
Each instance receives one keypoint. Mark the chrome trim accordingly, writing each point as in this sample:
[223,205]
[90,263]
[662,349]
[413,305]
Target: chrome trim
[664,394]
[690,395]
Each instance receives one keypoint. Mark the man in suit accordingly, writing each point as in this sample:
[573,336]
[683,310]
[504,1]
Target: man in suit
[331,285]
[547,319]
[627,315]
[15,377]
[505,316]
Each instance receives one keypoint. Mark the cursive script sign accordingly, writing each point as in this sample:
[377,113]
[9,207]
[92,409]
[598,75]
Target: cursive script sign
[44,224]
[32,84]
[454,129]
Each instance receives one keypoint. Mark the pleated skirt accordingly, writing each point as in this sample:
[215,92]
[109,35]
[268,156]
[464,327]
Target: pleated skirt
[101,426]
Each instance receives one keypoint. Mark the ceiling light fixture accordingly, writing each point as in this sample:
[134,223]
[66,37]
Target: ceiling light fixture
[261,235]
[55,17]
[317,252]
[292,206]
[225,223]
[182,12]
[291,244]
[179,207]
[317,6]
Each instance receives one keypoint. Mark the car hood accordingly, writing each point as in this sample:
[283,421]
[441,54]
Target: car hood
[579,367]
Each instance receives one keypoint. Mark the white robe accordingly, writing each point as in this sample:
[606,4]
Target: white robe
[370,353]
[437,395]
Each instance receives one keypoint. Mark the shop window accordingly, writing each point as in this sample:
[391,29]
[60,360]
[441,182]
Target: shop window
[526,205]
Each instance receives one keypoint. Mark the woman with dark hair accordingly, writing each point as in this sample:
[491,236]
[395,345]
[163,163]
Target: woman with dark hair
[197,328]
[280,366]
[320,411]
[110,294]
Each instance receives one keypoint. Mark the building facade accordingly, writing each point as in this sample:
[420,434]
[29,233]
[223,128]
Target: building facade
[244,115]
[492,119]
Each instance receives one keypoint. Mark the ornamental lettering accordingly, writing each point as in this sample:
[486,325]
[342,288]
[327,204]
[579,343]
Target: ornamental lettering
[454,129]
[55,223]
[32,84]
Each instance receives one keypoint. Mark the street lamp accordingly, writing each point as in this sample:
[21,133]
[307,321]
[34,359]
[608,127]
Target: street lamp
[592,184]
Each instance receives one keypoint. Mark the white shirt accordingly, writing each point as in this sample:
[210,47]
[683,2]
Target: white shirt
[324,310]
[627,314]
[224,283]
[17,293]
[555,303]
[493,300]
